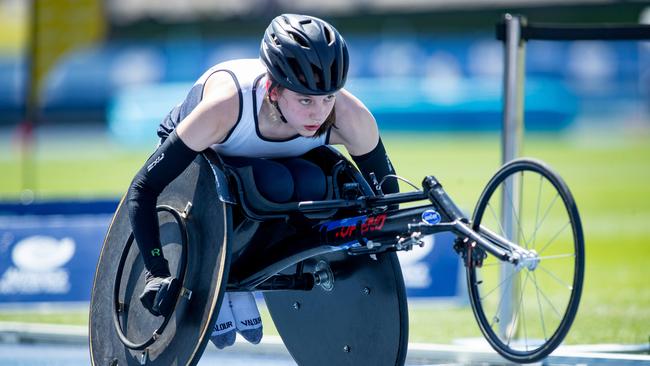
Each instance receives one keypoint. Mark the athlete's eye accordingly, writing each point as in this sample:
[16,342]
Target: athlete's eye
[330,98]
[305,101]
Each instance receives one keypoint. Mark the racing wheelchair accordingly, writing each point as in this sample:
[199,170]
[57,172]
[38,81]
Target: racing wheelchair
[328,269]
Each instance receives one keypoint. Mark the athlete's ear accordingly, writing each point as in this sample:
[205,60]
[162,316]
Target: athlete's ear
[274,94]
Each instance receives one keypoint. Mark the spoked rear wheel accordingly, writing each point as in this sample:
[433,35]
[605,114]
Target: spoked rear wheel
[526,311]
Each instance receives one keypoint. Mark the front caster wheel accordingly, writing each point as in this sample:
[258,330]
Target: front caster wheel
[526,310]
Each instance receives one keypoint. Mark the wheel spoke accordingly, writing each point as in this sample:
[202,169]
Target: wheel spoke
[539,224]
[554,237]
[514,212]
[520,231]
[539,305]
[494,215]
[569,287]
[539,197]
[557,256]
[499,285]
[500,301]
[523,312]
[521,299]
[546,298]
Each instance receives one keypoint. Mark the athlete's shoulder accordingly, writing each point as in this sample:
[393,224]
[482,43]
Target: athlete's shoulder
[221,86]
[356,126]
[243,72]
[351,111]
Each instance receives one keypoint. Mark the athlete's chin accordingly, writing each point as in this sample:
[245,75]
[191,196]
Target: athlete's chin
[307,133]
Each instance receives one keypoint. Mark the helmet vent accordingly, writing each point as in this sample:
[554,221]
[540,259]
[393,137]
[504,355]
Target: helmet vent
[329,36]
[299,39]
[334,72]
[295,68]
[320,83]
[280,75]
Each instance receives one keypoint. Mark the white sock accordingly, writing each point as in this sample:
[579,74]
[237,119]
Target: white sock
[247,317]
[224,331]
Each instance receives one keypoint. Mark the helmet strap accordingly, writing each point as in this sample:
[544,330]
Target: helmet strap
[277,107]
[269,86]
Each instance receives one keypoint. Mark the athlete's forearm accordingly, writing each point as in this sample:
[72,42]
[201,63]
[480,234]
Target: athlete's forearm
[167,163]
[377,162]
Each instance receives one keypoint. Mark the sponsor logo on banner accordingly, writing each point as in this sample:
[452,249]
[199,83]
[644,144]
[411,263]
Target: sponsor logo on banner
[37,268]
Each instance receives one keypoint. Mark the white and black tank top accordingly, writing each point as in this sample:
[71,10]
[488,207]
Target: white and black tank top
[244,139]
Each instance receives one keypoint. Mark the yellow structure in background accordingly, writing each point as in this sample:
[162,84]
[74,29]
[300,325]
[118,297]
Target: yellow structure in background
[59,27]
[14,15]
[41,32]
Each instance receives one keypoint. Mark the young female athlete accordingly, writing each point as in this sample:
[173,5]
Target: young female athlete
[264,113]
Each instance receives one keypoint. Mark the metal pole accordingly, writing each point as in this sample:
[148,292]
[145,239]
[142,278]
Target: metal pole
[513,127]
[513,102]
[30,114]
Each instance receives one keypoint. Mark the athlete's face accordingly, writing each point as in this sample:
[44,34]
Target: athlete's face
[305,113]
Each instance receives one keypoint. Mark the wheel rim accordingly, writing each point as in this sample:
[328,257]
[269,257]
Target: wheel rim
[526,311]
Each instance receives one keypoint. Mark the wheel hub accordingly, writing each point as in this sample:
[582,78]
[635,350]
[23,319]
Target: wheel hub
[527,259]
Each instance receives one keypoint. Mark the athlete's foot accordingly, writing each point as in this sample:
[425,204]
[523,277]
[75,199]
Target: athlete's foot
[247,317]
[224,332]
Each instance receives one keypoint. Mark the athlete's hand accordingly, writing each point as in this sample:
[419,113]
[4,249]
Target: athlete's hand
[160,294]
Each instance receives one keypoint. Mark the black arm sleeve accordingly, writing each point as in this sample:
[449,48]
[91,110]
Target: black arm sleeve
[166,163]
[377,161]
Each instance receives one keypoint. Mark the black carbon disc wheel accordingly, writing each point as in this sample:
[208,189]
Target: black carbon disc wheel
[526,311]
[197,245]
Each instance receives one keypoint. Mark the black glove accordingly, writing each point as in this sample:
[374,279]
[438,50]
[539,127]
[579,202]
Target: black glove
[160,294]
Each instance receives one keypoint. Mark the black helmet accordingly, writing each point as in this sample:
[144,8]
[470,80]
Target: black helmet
[305,54]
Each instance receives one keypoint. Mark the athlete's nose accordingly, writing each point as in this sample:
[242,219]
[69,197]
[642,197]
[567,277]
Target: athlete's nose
[319,112]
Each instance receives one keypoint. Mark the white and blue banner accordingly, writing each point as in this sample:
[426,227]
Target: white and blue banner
[434,270]
[48,253]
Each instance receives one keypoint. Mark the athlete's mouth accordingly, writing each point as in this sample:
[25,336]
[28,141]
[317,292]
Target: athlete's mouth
[312,127]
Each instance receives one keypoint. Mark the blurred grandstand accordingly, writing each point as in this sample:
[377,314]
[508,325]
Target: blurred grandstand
[133,10]
[425,64]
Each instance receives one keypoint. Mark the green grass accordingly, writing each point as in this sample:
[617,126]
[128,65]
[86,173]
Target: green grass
[76,317]
[608,177]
